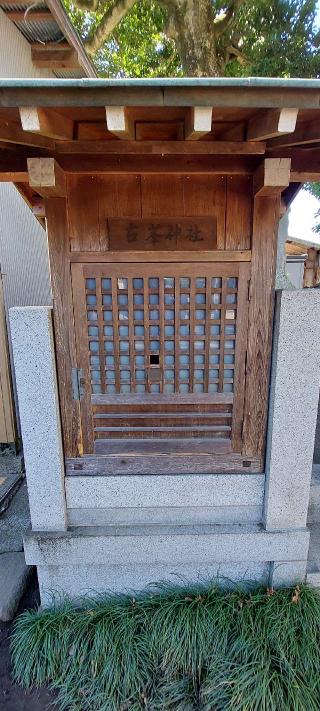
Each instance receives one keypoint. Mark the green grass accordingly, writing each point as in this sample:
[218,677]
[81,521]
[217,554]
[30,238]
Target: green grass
[195,648]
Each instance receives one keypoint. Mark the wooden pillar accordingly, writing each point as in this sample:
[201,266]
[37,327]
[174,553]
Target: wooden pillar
[266,211]
[58,238]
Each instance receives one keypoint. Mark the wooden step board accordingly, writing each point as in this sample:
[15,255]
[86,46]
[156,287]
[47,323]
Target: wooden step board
[170,420]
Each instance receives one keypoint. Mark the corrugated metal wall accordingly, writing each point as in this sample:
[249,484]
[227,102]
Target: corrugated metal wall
[23,252]
[23,242]
[15,53]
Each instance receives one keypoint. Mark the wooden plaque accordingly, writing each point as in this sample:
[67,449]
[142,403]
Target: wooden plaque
[182,233]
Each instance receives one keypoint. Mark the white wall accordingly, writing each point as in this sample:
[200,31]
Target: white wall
[15,53]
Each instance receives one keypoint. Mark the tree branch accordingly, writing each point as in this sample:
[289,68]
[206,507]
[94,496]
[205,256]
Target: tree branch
[90,5]
[108,22]
[235,52]
[224,22]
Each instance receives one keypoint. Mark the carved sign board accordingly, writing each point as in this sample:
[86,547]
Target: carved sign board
[182,233]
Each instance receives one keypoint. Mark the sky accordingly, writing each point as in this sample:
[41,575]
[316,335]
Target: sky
[301,216]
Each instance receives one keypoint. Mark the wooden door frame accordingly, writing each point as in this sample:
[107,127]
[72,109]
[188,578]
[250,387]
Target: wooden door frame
[224,269]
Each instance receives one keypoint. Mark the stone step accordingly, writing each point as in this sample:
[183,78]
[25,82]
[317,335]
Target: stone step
[125,557]
[14,574]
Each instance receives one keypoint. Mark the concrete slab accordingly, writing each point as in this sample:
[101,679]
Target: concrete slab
[13,578]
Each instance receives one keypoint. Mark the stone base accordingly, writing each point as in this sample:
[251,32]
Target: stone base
[127,558]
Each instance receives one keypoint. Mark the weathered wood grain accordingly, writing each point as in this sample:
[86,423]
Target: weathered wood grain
[63,322]
[264,246]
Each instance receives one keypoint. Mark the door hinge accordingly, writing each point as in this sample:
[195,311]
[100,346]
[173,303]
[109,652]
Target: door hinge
[77,383]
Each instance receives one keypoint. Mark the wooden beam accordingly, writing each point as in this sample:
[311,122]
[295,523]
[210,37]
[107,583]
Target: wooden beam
[46,123]
[54,56]
[272,123]
[304,134]
[243,255]
[264,248]
[118,122]
[12,133]
[13,169]
[13,3]
[305,162]
[162,148]
[46,177]
[38,209]
[32,16]
[272,176]
[198,122]
[10,176]
[185,165]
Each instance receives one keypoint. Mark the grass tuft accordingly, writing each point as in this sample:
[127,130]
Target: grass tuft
[175,648]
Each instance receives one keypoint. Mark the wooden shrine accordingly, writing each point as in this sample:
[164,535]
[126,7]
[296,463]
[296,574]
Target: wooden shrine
[162,200]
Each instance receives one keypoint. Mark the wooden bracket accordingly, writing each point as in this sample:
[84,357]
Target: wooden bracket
[198,122]
[118,122]
[46,123]
[272,123]
[272,176]
[53,55]
[46,177]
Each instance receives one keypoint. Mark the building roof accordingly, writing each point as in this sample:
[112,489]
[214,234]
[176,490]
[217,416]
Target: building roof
[55,43]
[295,250]
[218,126]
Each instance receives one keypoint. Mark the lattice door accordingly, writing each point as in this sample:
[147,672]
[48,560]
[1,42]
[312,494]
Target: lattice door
[162,349]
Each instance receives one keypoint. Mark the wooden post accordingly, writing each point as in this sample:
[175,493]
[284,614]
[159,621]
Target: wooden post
[311,274]
[7,418]
[264,248]
[58,239]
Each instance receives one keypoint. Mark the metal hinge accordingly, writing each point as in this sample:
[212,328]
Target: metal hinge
[77,383]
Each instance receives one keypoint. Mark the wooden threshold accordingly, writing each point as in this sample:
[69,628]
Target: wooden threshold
[155,456]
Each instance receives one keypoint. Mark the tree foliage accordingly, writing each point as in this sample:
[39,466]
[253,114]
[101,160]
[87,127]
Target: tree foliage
[201,37]
[314,189]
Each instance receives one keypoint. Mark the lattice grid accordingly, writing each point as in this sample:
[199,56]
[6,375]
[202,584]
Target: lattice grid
[173,334]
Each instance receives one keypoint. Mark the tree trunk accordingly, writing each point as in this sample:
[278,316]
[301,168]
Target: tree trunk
[191,25]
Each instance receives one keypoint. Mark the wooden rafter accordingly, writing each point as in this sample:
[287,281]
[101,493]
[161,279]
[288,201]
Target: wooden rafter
[46,123]
[12,133]
[198,122]
[304,134]
[54,56]
[272,176]
[118,121]
[32,16]
[46,176]
[270,124]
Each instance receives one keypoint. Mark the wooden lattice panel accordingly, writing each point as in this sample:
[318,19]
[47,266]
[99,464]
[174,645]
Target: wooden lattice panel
[161,334]
[147,333]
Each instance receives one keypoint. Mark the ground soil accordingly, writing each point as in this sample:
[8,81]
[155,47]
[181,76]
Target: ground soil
[12,696]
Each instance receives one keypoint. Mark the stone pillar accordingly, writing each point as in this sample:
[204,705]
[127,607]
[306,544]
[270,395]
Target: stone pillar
[293,404]
[35,370]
